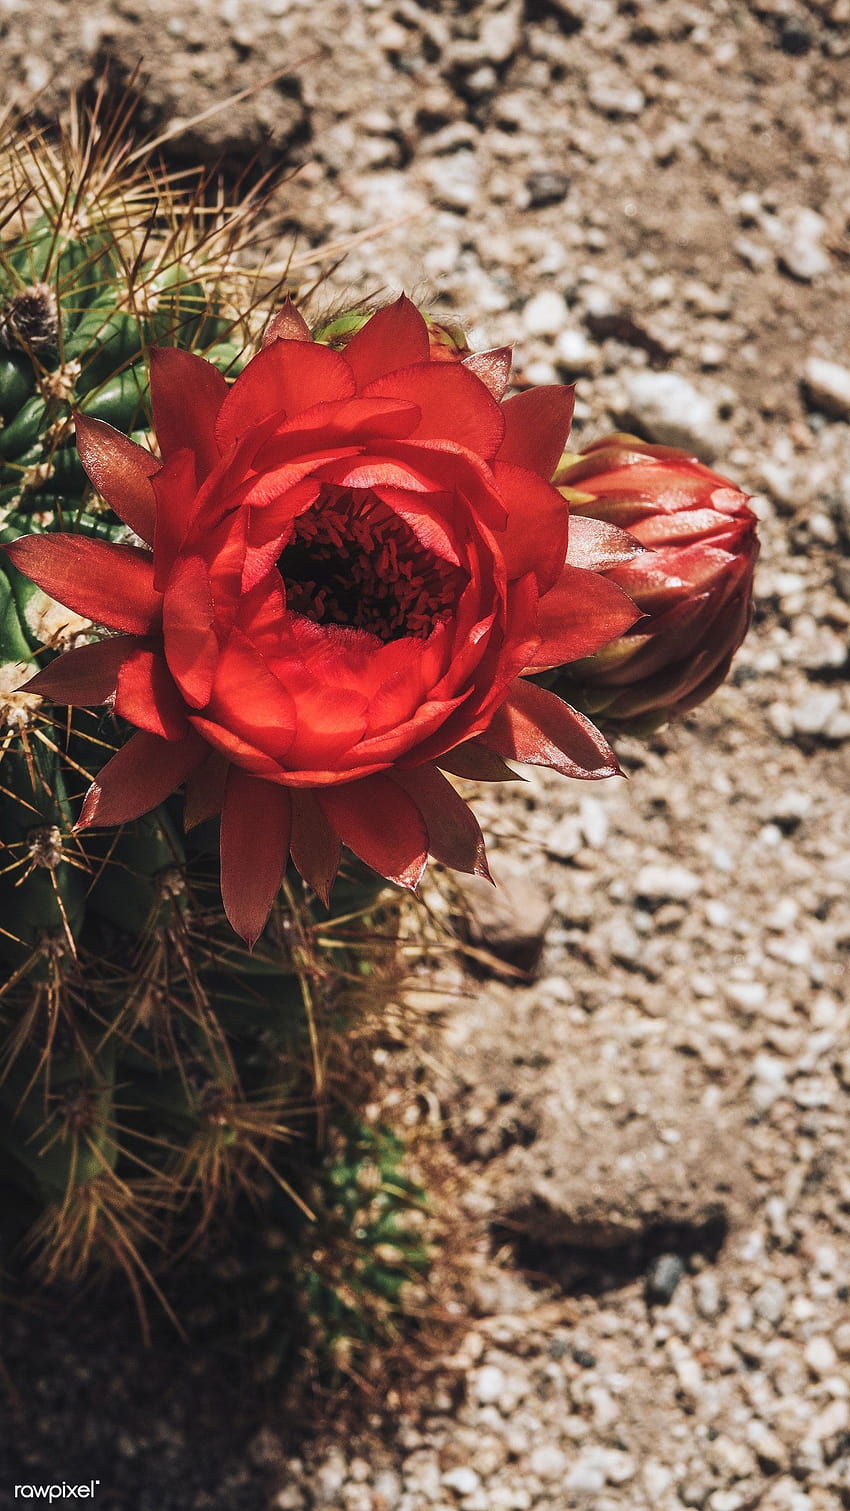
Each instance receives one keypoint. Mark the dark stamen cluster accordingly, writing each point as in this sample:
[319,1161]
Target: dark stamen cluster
[352,561]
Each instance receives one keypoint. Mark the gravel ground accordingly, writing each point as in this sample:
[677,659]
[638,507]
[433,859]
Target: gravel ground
[652,1128]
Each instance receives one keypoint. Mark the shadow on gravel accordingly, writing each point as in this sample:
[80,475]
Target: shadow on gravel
[660,1255]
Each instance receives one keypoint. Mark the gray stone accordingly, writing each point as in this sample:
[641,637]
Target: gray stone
[831,1422]
[813,715]
[619,1467]
[329,1479]
[827,387]
[507,922]
[665,883]
[768,1446]
[732,1459]
[387,1485]
[726,1500]
[770,1301]
[587,1477]
[593,819]
[489,1384]
[574,352]
[546,187]
[709,1300]
[454,180]
[291,1498]
[548,1461]
[463,1480]
[610,100]
[662,1278]
[757,256]
[801,251]
[544,314]
[820,1355]
[564,840]
[695,1493]
[665,407]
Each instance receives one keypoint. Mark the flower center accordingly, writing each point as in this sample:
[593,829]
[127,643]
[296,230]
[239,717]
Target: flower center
[352,561]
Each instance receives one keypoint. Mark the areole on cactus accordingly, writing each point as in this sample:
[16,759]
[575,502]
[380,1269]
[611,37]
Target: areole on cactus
[354,557]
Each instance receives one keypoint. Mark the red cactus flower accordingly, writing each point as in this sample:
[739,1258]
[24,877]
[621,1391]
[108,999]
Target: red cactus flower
[694,585]
[353,555]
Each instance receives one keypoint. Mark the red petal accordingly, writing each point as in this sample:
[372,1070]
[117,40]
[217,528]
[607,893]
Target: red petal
[175,489]
[394,337]
[287,325]
[430,466]
[678,635]
[454,405]
[583,612]
[187,394]
[142,775]
[86,675]
[695,526]
[661,579]
[255,824]
[492,368]
[120,471]
[148,697]
[538,525]
[314,845]
[205,790]
[113,585]
[537,424]
[454,837]
[381,824]
[535,726]
[191,646]
[248,699]
[596,545]
[475,763]
[235,749]
[285,378]
[330,426]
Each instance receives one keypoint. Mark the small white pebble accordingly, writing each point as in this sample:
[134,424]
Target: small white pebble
[544,315]
[587,1477]
[831,1422]
[547,1461]
[463,1480]
[820,1355]
[489,1384]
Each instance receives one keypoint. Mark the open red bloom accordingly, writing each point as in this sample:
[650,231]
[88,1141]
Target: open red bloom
[353,557]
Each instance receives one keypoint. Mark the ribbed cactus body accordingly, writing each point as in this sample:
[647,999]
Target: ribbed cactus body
[77,320]
[152,1070]
[339,1287]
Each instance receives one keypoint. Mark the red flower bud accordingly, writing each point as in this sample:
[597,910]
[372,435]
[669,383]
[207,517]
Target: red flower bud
[693,583]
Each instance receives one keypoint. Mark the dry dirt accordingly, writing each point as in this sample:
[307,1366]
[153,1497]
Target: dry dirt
[653,199]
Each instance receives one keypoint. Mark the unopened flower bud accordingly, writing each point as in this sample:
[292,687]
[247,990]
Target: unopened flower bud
[694,583]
